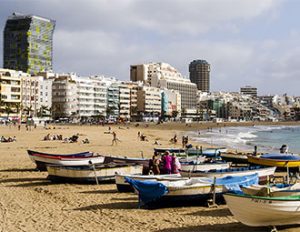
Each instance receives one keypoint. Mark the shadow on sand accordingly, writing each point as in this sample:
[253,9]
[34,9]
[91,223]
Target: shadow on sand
[230,227]
[115,205]
[34,184]
[104,191]
[212,212]
[21,180]
[20,170]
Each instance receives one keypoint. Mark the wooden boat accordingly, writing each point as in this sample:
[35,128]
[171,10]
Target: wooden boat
[208,152]
[177,151]
[262,172]
[276,160]
[235,158]
[278,190]
[88,174]
[201,189]
[73,155]
[42,161]
[124,186]
[264,211]
[129,160]
[187,168]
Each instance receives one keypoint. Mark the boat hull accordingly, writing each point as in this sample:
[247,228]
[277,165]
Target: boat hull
[88,175]
[274,162]
[190,170]
[124,186]
[263,211]
[42,161]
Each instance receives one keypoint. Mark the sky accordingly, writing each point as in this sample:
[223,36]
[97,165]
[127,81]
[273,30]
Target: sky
[246,42]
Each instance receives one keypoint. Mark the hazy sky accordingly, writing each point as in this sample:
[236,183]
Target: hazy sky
[247,42]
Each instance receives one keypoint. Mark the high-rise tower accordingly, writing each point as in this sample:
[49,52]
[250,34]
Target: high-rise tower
[199,74]
[28,43]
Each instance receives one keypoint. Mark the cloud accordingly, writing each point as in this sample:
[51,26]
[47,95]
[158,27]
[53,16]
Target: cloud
[106,37]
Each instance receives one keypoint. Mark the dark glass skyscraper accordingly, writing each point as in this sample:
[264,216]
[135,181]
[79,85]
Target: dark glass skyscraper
[199,74]
[28,43]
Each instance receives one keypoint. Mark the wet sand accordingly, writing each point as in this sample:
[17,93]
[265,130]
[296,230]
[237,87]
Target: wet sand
[29,202]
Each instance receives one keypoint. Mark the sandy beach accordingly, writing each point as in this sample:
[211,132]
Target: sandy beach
[29,202]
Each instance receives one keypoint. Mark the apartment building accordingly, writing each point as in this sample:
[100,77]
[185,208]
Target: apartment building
[36,95]
[10,92]
[171,103]
[163,75]
[149,102]
[28,43]
[64,96]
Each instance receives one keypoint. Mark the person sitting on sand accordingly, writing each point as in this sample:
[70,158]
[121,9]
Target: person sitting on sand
[85,141]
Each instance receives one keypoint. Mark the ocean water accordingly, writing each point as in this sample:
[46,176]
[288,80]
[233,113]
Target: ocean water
[266,138]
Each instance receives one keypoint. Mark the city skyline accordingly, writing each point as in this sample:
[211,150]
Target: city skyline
[246,42]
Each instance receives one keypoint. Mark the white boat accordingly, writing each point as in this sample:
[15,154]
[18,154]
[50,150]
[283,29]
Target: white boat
[193,169]
[124,186]
[264,211]
[42,161]
[262,172]
[272,190]
[86,174]
[161,192]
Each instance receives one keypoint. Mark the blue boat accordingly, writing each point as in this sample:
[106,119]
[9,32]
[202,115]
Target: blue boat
[192,191]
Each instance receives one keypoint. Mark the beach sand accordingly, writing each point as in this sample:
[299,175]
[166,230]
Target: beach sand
[29,202]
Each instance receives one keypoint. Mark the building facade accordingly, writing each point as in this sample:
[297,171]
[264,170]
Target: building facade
[149,102]
[10,92]
[163,75]
[249,90]
[200,74]
[36,95]
[28,45]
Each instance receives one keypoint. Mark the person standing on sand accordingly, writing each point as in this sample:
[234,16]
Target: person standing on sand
[176,166]
[167,163]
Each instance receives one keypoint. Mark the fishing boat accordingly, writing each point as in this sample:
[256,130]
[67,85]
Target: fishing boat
[262,172]
[277,190]
[91,174]
[124,186]
[208,152]
[158,193]
[177,151]
[73,155]
[129,160]
[264,211]
[191,169]
[42,161]
[276,160]
[234,158]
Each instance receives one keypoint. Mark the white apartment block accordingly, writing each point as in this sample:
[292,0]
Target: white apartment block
[163,75]
[10,92]
[92,95]
[80,97]
[36,93]
[64,96]
[149,101]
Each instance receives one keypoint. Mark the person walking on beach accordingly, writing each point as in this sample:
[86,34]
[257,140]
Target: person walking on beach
[115,139]
[167,163]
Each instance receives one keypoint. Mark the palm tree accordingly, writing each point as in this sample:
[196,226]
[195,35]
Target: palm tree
[8,110]
[42,112]
[28,110]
